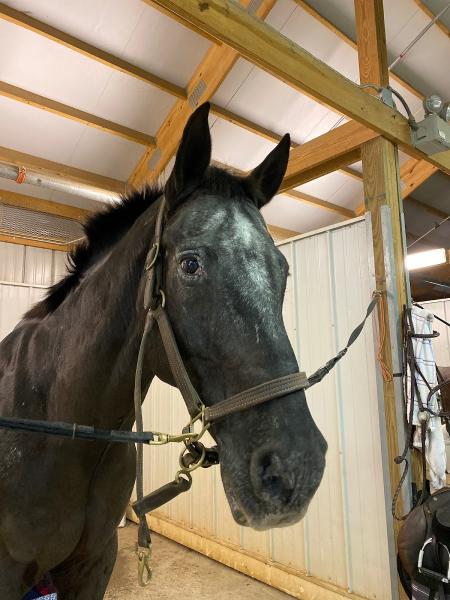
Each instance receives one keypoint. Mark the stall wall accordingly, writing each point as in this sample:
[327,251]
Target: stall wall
[25,273]
[344,542]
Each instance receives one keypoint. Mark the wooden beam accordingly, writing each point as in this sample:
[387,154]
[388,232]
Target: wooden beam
[207,78]
[13,239]
[301,196]
[442,26]
[352,43]
[319,203]
[49,167]
[353,173]
[69,41]
[281,233]
[247,124]
[263,46]
[69,112]
[413,173]
[381,188]
[43,206]
[333,150]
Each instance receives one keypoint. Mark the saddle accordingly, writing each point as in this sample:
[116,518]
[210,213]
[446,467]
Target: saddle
[424,549]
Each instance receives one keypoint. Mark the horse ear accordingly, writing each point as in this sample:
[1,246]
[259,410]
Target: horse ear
[263,182]
[193,158]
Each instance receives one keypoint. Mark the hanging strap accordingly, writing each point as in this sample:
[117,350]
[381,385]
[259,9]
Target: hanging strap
[318,375]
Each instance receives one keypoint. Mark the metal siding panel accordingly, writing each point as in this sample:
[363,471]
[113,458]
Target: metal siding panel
[11,262]
[15,300]
[361,439]
[38,266]
[324,537]
[59,265]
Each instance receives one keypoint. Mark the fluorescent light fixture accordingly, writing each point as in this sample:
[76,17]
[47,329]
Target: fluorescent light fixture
[429,258]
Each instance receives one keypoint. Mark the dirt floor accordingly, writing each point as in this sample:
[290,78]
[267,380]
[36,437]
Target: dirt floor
[178,572]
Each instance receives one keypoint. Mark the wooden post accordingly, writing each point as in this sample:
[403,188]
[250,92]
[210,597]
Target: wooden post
[382,197]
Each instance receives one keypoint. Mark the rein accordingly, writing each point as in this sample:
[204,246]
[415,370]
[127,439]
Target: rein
[194,454]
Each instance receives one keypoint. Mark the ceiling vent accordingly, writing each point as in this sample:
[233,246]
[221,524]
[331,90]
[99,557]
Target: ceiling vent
[26,223]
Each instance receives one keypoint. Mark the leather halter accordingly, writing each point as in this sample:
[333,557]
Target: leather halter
[154,303]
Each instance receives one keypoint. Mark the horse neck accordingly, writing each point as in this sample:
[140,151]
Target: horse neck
[98,330]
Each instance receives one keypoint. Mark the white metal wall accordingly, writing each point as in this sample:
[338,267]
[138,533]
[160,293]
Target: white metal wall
[25,273]
[441,344]
[344,538]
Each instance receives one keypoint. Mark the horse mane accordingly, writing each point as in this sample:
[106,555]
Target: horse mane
[106,227]
[102,231]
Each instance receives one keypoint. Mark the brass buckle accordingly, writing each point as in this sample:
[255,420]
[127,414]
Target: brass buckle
[144,569]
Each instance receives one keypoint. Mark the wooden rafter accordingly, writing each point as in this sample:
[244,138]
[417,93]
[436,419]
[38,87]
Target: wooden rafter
[442,26]
[50,167]
[281,233]
[353,173]
[69,41]
[302,197]
[333,150]
[77,45]
[262,45]
[23,241]
[43,206]
[319,203]
[69,112]
[206,80]
[413,173]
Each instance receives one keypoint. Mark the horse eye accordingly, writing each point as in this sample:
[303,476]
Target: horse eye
[190,265]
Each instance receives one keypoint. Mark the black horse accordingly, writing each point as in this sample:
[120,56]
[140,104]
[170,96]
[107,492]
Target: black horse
[73,357]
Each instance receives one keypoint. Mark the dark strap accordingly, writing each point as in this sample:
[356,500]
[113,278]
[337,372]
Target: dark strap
[256,395]
[318,375]
[161,496]
[144,538]
[182,379]
[74,431]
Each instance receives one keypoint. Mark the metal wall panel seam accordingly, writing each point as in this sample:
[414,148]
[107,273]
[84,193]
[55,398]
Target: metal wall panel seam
[26,285]
[339,395]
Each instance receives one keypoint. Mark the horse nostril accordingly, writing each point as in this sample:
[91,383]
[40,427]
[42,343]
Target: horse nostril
[272,479]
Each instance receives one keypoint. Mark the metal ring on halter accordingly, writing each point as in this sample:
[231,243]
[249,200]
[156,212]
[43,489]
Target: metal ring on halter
[196,465]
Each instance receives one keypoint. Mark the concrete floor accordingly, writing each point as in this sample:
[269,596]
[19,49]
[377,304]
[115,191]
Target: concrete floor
[178,572]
